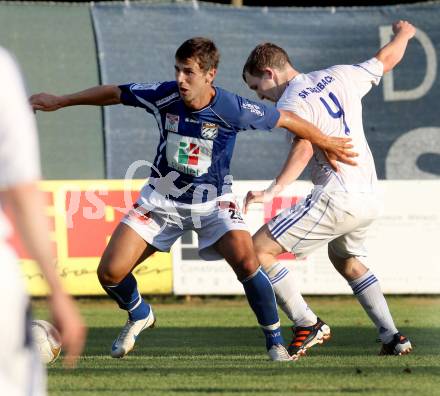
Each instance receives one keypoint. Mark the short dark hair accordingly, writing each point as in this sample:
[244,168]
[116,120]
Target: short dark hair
[202,50]
[265,55]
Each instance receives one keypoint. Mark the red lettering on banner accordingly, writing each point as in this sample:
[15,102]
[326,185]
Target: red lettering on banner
[15,240]
[273,208]
[96,215]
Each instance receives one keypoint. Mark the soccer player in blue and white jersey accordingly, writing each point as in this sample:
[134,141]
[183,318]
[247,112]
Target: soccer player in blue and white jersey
[190,186]
[342,205]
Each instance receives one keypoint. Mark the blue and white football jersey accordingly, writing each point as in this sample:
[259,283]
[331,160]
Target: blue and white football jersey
[196,145]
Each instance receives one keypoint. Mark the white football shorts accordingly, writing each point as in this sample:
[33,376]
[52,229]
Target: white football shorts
[21,371]
[339,219]
[160,221]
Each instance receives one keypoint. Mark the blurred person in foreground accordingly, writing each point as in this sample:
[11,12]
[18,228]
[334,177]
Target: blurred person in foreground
[342,205]
[190,185]
[21,372]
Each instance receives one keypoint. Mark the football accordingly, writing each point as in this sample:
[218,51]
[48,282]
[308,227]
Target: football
[47,339]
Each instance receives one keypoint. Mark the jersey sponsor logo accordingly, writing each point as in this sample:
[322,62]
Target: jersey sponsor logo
[209,130]
[253,108]
[145,86]
[167,99]
[172,122]
[189,155]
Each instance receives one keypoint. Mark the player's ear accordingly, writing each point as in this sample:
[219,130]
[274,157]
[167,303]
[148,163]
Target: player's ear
[268,73]
[210,75]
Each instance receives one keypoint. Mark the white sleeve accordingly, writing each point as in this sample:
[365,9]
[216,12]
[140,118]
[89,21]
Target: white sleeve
[19,152]
[362,75]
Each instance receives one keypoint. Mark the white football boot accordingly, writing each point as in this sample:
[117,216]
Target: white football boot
[278,353]
[129,333]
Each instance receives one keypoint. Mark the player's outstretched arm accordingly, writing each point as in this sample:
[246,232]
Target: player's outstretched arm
[296,161]
[335,148]
[101,95]
[392,53]
[26,203]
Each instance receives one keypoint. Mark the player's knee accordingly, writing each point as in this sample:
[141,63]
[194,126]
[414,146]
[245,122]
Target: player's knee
[250,266]
[356,269]
[105,274]
[350,268]
[245,267]
[264,256]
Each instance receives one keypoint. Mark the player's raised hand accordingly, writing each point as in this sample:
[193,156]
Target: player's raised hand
[404,27]
[45,102]
[70,325]
[253,197]
[339,149]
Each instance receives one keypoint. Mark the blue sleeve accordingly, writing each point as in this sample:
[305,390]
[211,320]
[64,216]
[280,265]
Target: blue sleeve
[255,115]
[142,95]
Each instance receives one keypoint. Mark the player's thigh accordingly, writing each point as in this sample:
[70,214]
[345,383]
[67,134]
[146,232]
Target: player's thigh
[236,248]
[212,226]
[125,250]
[266,247]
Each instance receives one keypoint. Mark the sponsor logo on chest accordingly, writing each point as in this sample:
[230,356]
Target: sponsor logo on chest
[209,130]
[189,155]
[172,122]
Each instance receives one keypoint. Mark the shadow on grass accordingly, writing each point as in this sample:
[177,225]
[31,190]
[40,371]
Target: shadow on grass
[226,391]
[227,341]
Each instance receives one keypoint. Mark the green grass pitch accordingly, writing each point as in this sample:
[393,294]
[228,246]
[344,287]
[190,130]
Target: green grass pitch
[213,347]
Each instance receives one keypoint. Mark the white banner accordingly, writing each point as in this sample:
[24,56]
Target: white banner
[403,246]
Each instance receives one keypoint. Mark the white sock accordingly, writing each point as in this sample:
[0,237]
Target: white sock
[288,296]
[368,292]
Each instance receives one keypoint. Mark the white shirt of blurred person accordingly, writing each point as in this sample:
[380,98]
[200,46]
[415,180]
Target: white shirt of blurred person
[342,204]
[21,372]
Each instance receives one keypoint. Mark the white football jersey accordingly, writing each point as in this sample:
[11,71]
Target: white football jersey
[331,100]
[19,155]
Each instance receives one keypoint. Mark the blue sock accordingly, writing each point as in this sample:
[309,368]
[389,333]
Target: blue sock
[128,298]
[261,298]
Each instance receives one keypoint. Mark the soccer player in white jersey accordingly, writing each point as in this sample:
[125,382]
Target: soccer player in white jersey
[21,372]
[198,123]
[342,204]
